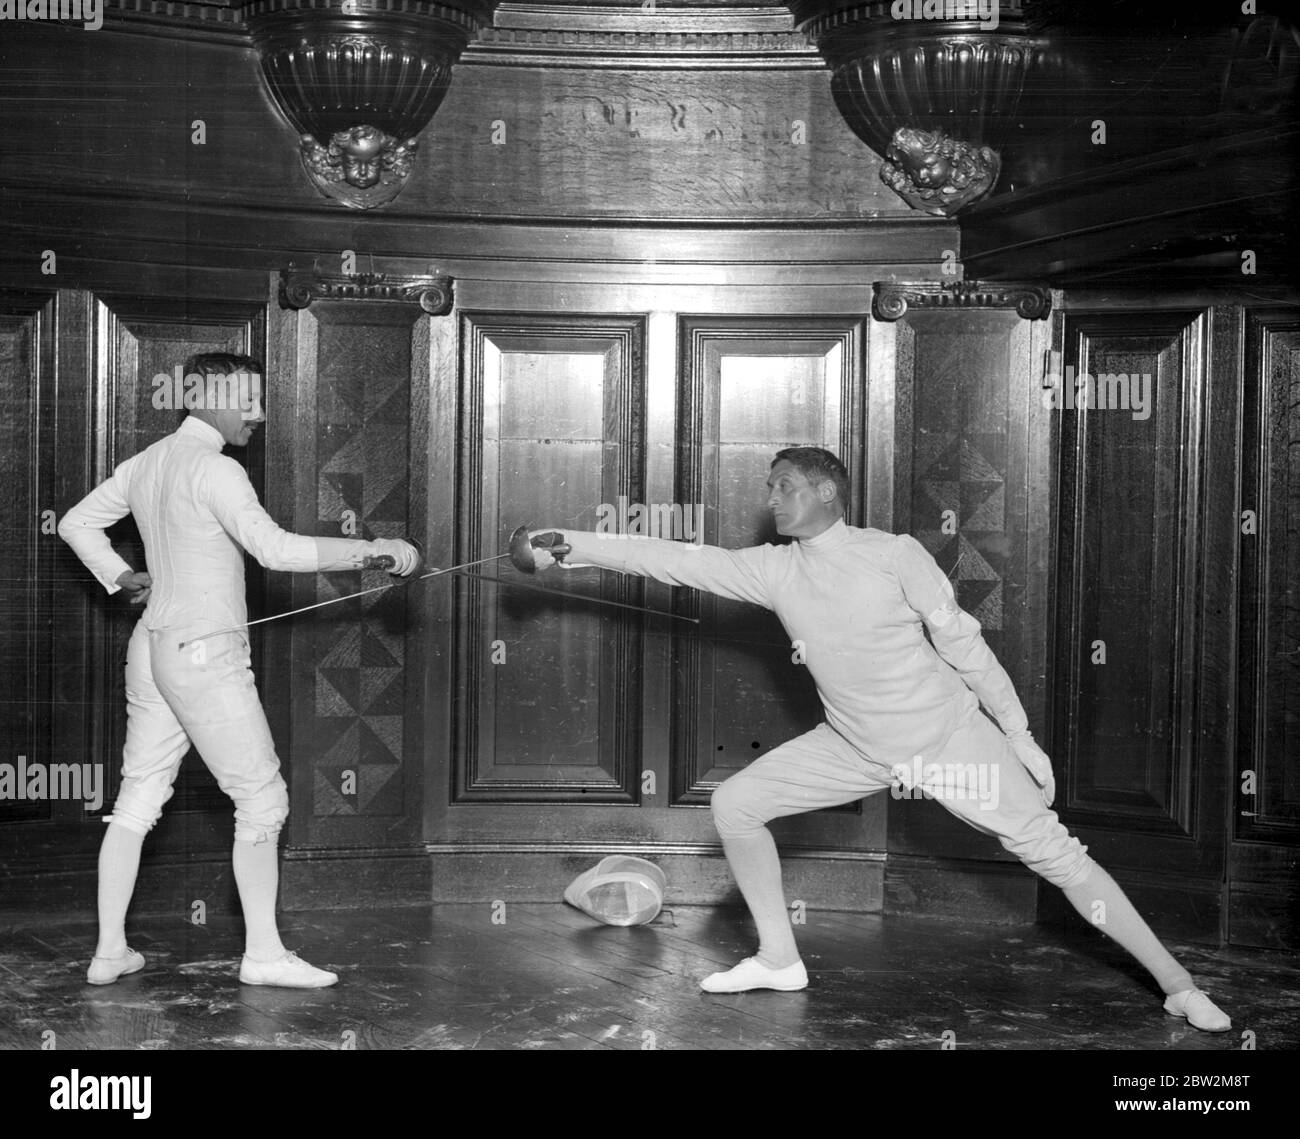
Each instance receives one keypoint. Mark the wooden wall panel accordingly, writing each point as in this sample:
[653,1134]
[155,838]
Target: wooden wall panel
[521,141]
[1264,852]
[26,723]
[750,387]
[1269,675]
[968,426]
[1129,513]
[553,426]
[1144,561]
[339,435]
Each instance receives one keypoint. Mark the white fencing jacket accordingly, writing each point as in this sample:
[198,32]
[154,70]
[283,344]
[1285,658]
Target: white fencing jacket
[197,513]
[854,601]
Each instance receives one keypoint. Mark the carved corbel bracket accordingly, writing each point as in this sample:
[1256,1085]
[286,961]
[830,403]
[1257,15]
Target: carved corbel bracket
[934,87]
[892,299]
[359,80]
[299,287]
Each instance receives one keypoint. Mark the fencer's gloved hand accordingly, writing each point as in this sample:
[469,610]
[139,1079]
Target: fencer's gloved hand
[1036,762]
[136,586]
[406,558]
[542,556]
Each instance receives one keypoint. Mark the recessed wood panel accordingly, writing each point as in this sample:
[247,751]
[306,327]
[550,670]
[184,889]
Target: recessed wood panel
[25,736]
[1127,572]
[968,437]
[552,427]
[749,388]
[340,415]
[1268,774]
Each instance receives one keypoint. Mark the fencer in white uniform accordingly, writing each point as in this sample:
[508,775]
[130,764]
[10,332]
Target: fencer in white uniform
[198,515]
[899,707]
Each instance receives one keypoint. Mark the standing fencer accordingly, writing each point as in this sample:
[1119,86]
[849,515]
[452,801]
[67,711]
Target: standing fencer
[198,513]
[897,707]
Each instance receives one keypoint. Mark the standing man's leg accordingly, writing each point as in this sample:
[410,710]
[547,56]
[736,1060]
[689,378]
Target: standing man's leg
[215,697]
[155,745]
[977,761]
[815,770]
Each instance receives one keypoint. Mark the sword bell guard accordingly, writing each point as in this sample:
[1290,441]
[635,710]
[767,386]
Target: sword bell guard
[521,548]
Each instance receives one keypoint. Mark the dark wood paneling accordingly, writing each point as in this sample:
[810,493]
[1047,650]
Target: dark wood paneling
[973,889]
[341,427]
[697,874]
[1264,852]
[1129,511]
[1140,549]
[1269,673]
[750,387]
[968,431]
[354,878]
[553,426]
[109,240]
[477,842]
[577,143]
[26,654]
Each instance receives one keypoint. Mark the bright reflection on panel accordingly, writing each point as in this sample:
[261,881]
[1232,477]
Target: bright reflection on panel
[544,441]
[765,403]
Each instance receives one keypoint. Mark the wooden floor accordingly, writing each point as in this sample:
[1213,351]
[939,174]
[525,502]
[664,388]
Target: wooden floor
[448,977]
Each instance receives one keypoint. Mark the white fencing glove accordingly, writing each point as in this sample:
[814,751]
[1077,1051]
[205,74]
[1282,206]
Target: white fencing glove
[542,556]
[1036,762]
[406,558]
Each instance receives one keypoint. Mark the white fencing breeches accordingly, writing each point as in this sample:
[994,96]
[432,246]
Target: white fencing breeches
[202,694]
[976,776]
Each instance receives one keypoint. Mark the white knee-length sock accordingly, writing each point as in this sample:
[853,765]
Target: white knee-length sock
[257,874]
[1102,903]
[757,870]
[119,863]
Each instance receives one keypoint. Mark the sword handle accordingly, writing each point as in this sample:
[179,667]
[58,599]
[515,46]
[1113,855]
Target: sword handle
[521,548]
[379,561]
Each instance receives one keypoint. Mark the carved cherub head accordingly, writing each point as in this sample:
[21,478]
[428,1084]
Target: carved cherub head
[360,148]
[934,172]
[361,167]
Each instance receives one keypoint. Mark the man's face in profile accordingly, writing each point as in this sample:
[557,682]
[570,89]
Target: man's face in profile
[796,505]
[233,405]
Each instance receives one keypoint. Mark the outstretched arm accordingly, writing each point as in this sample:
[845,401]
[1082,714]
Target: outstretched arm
[957,638]
[233,501]
[736,574]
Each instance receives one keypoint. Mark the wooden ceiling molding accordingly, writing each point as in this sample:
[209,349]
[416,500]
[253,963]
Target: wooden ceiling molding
[359,80]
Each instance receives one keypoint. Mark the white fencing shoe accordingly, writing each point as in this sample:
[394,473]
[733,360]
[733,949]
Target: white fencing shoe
[106,970]
[287,972]
[753,974]
[1200,1011]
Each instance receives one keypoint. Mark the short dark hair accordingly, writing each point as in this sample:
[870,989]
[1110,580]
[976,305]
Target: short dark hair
[221,364]
[818,465]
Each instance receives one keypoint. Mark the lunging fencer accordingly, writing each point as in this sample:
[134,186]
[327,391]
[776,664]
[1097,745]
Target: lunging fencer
[198,513]
[898,707]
